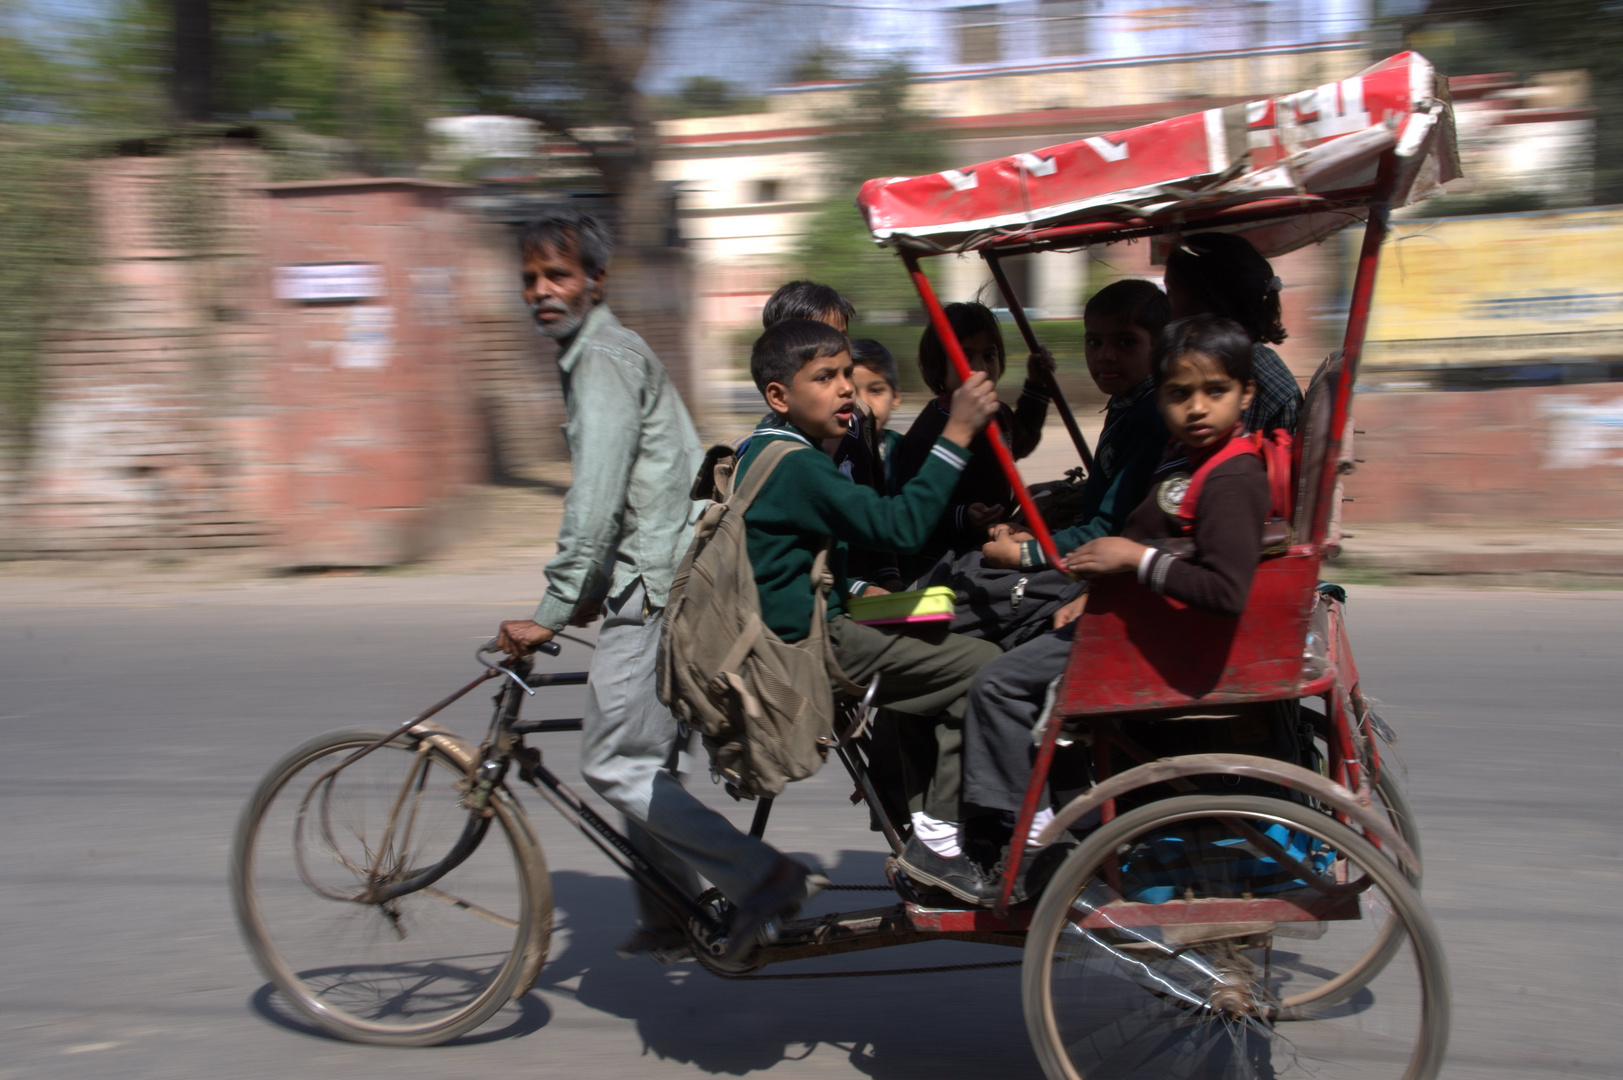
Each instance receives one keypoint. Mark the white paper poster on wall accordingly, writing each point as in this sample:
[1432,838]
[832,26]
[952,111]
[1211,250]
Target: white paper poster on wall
[368,340]
[325,283]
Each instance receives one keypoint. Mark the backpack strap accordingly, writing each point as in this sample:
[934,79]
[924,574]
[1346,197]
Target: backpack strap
[743,494]
[1275,451]
[1237,446]
[761,470]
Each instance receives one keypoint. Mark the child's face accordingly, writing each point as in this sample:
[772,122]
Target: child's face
[820,399]
[1201,402]
[1118,352]
[984,353]
[877,393]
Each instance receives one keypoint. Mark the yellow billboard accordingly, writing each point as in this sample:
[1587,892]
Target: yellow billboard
[1500,289]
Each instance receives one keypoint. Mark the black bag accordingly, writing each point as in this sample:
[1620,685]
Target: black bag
[1008,607]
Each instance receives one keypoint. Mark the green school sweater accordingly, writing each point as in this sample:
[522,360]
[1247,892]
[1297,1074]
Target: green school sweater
[808,499]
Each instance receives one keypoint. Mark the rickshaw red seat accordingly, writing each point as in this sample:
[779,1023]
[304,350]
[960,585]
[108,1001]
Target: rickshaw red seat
[1136,651]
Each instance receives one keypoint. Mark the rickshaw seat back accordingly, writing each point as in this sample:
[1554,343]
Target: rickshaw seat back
[1313,444]
[1135,651]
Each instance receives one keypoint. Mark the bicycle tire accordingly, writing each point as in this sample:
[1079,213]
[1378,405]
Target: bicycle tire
[416,970]
[1106,996]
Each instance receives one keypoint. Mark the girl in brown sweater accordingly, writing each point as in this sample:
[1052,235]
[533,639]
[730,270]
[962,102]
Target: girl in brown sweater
[1203,385]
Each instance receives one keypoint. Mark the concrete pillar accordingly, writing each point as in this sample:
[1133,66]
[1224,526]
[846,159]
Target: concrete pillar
[1057,281]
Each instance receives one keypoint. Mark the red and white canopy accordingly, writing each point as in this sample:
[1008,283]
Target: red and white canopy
[1312,155]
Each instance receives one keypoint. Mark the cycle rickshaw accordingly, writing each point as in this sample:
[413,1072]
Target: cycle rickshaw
[1226,915]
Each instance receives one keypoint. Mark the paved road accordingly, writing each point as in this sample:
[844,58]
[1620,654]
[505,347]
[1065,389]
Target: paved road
[135,720]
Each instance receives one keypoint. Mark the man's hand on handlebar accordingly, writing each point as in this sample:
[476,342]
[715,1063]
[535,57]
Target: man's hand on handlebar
[521,637]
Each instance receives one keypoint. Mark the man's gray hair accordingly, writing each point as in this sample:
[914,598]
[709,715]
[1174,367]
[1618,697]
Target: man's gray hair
[572,232]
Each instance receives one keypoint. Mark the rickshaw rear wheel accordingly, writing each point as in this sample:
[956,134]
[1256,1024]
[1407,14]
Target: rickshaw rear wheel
[1126,977]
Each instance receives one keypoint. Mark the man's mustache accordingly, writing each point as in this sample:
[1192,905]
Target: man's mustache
[551,306]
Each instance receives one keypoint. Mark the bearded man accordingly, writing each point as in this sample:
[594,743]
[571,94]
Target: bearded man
[627,522]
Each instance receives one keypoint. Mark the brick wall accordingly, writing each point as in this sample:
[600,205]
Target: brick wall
[138,446]
[1489,457]
[187,410]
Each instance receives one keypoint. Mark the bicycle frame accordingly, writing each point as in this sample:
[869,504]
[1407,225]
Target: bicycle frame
[838,932]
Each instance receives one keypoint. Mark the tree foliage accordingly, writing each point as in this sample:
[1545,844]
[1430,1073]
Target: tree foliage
[703,95]
[880,134]
[44,232]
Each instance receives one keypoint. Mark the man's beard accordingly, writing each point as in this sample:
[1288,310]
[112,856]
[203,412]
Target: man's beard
[570,320]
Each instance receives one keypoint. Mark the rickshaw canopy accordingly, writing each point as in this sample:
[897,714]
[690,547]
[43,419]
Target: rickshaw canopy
[1284,172]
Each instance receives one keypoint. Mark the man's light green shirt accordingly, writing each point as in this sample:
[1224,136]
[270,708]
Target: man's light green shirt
[635,453]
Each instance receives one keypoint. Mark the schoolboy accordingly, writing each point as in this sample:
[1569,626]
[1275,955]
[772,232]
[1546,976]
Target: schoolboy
[803,370]
[856,453]
[1121,323]
[983,497]
[808,300]
[879,388]
[1203,385]
[875,376]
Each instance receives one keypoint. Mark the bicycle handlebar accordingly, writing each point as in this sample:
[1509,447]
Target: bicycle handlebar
[551,648]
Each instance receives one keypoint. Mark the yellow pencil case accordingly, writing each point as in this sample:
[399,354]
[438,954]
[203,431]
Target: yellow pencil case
[934,604]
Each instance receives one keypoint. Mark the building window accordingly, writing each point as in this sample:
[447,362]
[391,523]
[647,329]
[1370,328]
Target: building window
[768,191]
[1064,27]
[979,34]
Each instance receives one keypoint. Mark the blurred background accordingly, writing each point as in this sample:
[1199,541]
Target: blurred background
[260,298]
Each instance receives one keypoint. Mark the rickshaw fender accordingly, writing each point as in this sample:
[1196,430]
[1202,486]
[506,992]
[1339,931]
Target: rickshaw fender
[1283,773]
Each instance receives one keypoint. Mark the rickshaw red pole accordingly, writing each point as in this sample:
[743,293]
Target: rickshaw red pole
[994,432]
[1049,378]
[1363,298]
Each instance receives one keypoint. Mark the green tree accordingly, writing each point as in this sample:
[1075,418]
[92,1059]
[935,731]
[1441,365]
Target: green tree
[574,66]
[703,95]
[880,134]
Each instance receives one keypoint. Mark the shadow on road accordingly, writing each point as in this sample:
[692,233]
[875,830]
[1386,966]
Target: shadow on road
[942,1026]
[529,1014]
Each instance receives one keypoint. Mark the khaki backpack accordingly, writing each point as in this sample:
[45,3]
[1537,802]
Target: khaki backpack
[764,707]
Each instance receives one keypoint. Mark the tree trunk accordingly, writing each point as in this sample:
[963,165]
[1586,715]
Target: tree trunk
[192,79]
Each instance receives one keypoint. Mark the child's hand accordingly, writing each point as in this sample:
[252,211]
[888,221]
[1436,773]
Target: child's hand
[1071,612]
[1106,555]
[981,516]
[973,404]
[1040,365]
[1003,550]
[874,590]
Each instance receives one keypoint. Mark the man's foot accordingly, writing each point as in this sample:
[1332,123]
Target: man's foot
[755,921]
[960,875]
[662,944]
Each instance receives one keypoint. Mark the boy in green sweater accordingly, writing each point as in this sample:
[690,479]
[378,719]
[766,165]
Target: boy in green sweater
[804,371]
